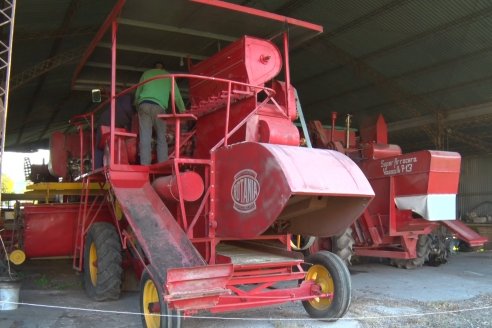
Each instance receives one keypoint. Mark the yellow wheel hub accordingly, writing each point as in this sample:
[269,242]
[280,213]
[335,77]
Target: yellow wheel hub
[17,257]
[320,275]
[150,296]
[93,264]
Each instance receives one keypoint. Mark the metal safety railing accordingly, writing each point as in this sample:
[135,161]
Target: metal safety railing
[235,91]
[87,120]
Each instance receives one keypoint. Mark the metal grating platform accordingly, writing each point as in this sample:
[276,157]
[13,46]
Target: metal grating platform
[242,255]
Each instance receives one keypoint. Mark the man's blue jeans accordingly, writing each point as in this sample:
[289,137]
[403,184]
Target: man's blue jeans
[147,116]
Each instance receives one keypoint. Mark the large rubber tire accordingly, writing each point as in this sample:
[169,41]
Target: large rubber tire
[329,271]
[423,250]
[439,244]
[151,292]
[102,262]
[342,246]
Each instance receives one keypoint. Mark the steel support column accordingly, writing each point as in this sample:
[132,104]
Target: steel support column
[7,16]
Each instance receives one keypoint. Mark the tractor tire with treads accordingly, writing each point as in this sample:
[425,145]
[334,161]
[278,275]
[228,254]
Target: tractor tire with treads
[440,241]
[423,250]
[342,246]
[332,275]
[155,312]
[102,262]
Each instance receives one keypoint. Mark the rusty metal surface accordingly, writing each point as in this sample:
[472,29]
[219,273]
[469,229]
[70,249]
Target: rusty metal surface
[163,241]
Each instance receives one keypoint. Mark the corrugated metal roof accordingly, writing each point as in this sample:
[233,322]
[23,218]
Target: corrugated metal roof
[40,35]
[375,56]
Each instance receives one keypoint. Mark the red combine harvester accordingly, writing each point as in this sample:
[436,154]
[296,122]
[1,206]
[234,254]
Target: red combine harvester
[415,204]
[210,228]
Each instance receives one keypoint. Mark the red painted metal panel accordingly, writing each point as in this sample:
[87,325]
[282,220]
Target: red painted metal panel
[248,60]
[419,173]
[256,182]
[263,296]
[280,89]
[128,176]
[63,146]
[279,131]
[374,130]
[192,186]
[210,128]
[197,287]
[378,151]
[465,233]
[58,155]
[50,229]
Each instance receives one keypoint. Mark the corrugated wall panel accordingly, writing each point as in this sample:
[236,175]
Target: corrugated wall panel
[475,193]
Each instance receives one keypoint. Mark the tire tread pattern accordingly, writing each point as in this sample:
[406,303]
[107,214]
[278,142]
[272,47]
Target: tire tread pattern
[343,246]
[109,258]
[169,318]
[423,250]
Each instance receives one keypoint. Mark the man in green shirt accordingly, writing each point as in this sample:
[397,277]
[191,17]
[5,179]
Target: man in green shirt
[152,99]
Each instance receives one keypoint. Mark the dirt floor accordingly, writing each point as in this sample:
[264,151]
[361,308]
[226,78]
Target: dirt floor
[457,294]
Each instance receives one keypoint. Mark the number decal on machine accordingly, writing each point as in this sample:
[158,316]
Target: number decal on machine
[398,165]
[245,191]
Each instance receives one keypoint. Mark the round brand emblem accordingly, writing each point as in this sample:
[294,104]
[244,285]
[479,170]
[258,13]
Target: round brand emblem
[245,191]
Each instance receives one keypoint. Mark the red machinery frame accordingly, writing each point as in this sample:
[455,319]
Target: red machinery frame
[263,275]
[171,218]
[384,230]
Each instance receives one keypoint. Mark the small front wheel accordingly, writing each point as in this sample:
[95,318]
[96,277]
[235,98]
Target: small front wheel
[155,312]
[329,272]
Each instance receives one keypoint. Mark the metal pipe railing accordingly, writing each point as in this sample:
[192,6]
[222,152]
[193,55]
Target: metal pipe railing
[87,119]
